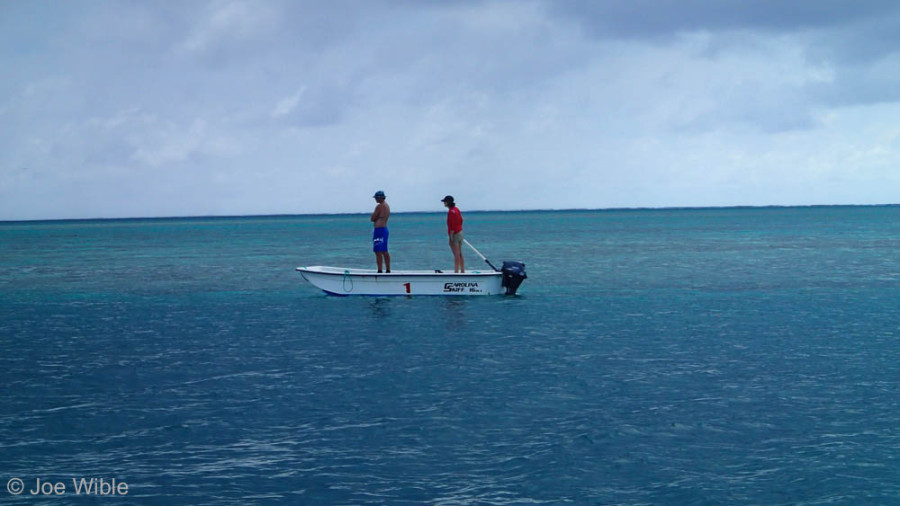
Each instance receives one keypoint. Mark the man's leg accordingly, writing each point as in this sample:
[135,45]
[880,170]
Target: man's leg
[453,252]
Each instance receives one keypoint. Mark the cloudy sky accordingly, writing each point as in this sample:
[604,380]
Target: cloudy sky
[224,107]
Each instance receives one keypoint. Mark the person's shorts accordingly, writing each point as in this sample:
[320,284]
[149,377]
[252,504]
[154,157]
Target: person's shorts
[457,238]
[380,239]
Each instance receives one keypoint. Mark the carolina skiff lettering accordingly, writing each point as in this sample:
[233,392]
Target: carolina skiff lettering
[469,286]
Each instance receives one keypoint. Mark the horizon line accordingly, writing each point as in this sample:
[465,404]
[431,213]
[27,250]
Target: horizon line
[572,209]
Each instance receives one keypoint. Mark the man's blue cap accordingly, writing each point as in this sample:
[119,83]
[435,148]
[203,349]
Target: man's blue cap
[379,193]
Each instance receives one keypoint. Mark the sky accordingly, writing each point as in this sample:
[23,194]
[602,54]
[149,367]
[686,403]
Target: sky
[146,108]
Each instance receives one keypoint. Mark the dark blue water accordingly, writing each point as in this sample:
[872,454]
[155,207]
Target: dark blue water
[724,356]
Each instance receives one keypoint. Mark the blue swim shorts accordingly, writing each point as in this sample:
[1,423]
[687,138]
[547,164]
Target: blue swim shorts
[380,239]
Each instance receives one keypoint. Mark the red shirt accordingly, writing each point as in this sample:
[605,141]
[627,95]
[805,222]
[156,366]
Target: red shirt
[454,220]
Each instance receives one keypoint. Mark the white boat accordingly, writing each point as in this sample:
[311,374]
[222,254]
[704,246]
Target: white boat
[342,281]
[349,281]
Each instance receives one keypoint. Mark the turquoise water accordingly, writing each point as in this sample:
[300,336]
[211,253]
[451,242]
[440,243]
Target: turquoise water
[719,356]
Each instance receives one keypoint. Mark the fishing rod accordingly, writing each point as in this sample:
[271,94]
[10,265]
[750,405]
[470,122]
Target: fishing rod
[479,254]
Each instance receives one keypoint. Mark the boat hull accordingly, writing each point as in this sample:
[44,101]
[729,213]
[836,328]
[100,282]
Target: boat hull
[341,281]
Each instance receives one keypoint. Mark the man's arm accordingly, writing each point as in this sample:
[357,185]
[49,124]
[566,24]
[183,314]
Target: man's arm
[376,213]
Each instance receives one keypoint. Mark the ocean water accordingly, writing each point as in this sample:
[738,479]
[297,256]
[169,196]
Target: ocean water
[705,356]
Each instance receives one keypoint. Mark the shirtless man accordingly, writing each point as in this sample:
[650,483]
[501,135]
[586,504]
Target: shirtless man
[380,236]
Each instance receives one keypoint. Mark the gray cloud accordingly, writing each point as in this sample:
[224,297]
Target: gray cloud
[663,18]
[231,107]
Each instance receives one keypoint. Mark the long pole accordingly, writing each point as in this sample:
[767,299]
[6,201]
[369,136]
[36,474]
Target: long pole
[479,254]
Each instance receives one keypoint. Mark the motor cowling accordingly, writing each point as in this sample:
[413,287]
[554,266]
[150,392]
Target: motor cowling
[513,275]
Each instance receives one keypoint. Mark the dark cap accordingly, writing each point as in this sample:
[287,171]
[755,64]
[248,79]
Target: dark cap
[379,193]
[448,198]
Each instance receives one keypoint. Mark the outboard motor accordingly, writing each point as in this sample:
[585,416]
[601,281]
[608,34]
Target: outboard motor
[513,275]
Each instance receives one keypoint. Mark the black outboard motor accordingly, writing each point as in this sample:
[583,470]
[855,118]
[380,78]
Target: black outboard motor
[513,275]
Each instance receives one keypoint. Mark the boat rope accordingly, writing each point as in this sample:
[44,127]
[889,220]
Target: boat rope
[344,283]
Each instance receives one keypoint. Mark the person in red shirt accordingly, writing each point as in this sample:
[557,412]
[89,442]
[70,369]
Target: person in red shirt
[454,230]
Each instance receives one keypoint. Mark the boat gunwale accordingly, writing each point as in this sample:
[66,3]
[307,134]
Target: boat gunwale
[304,270]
